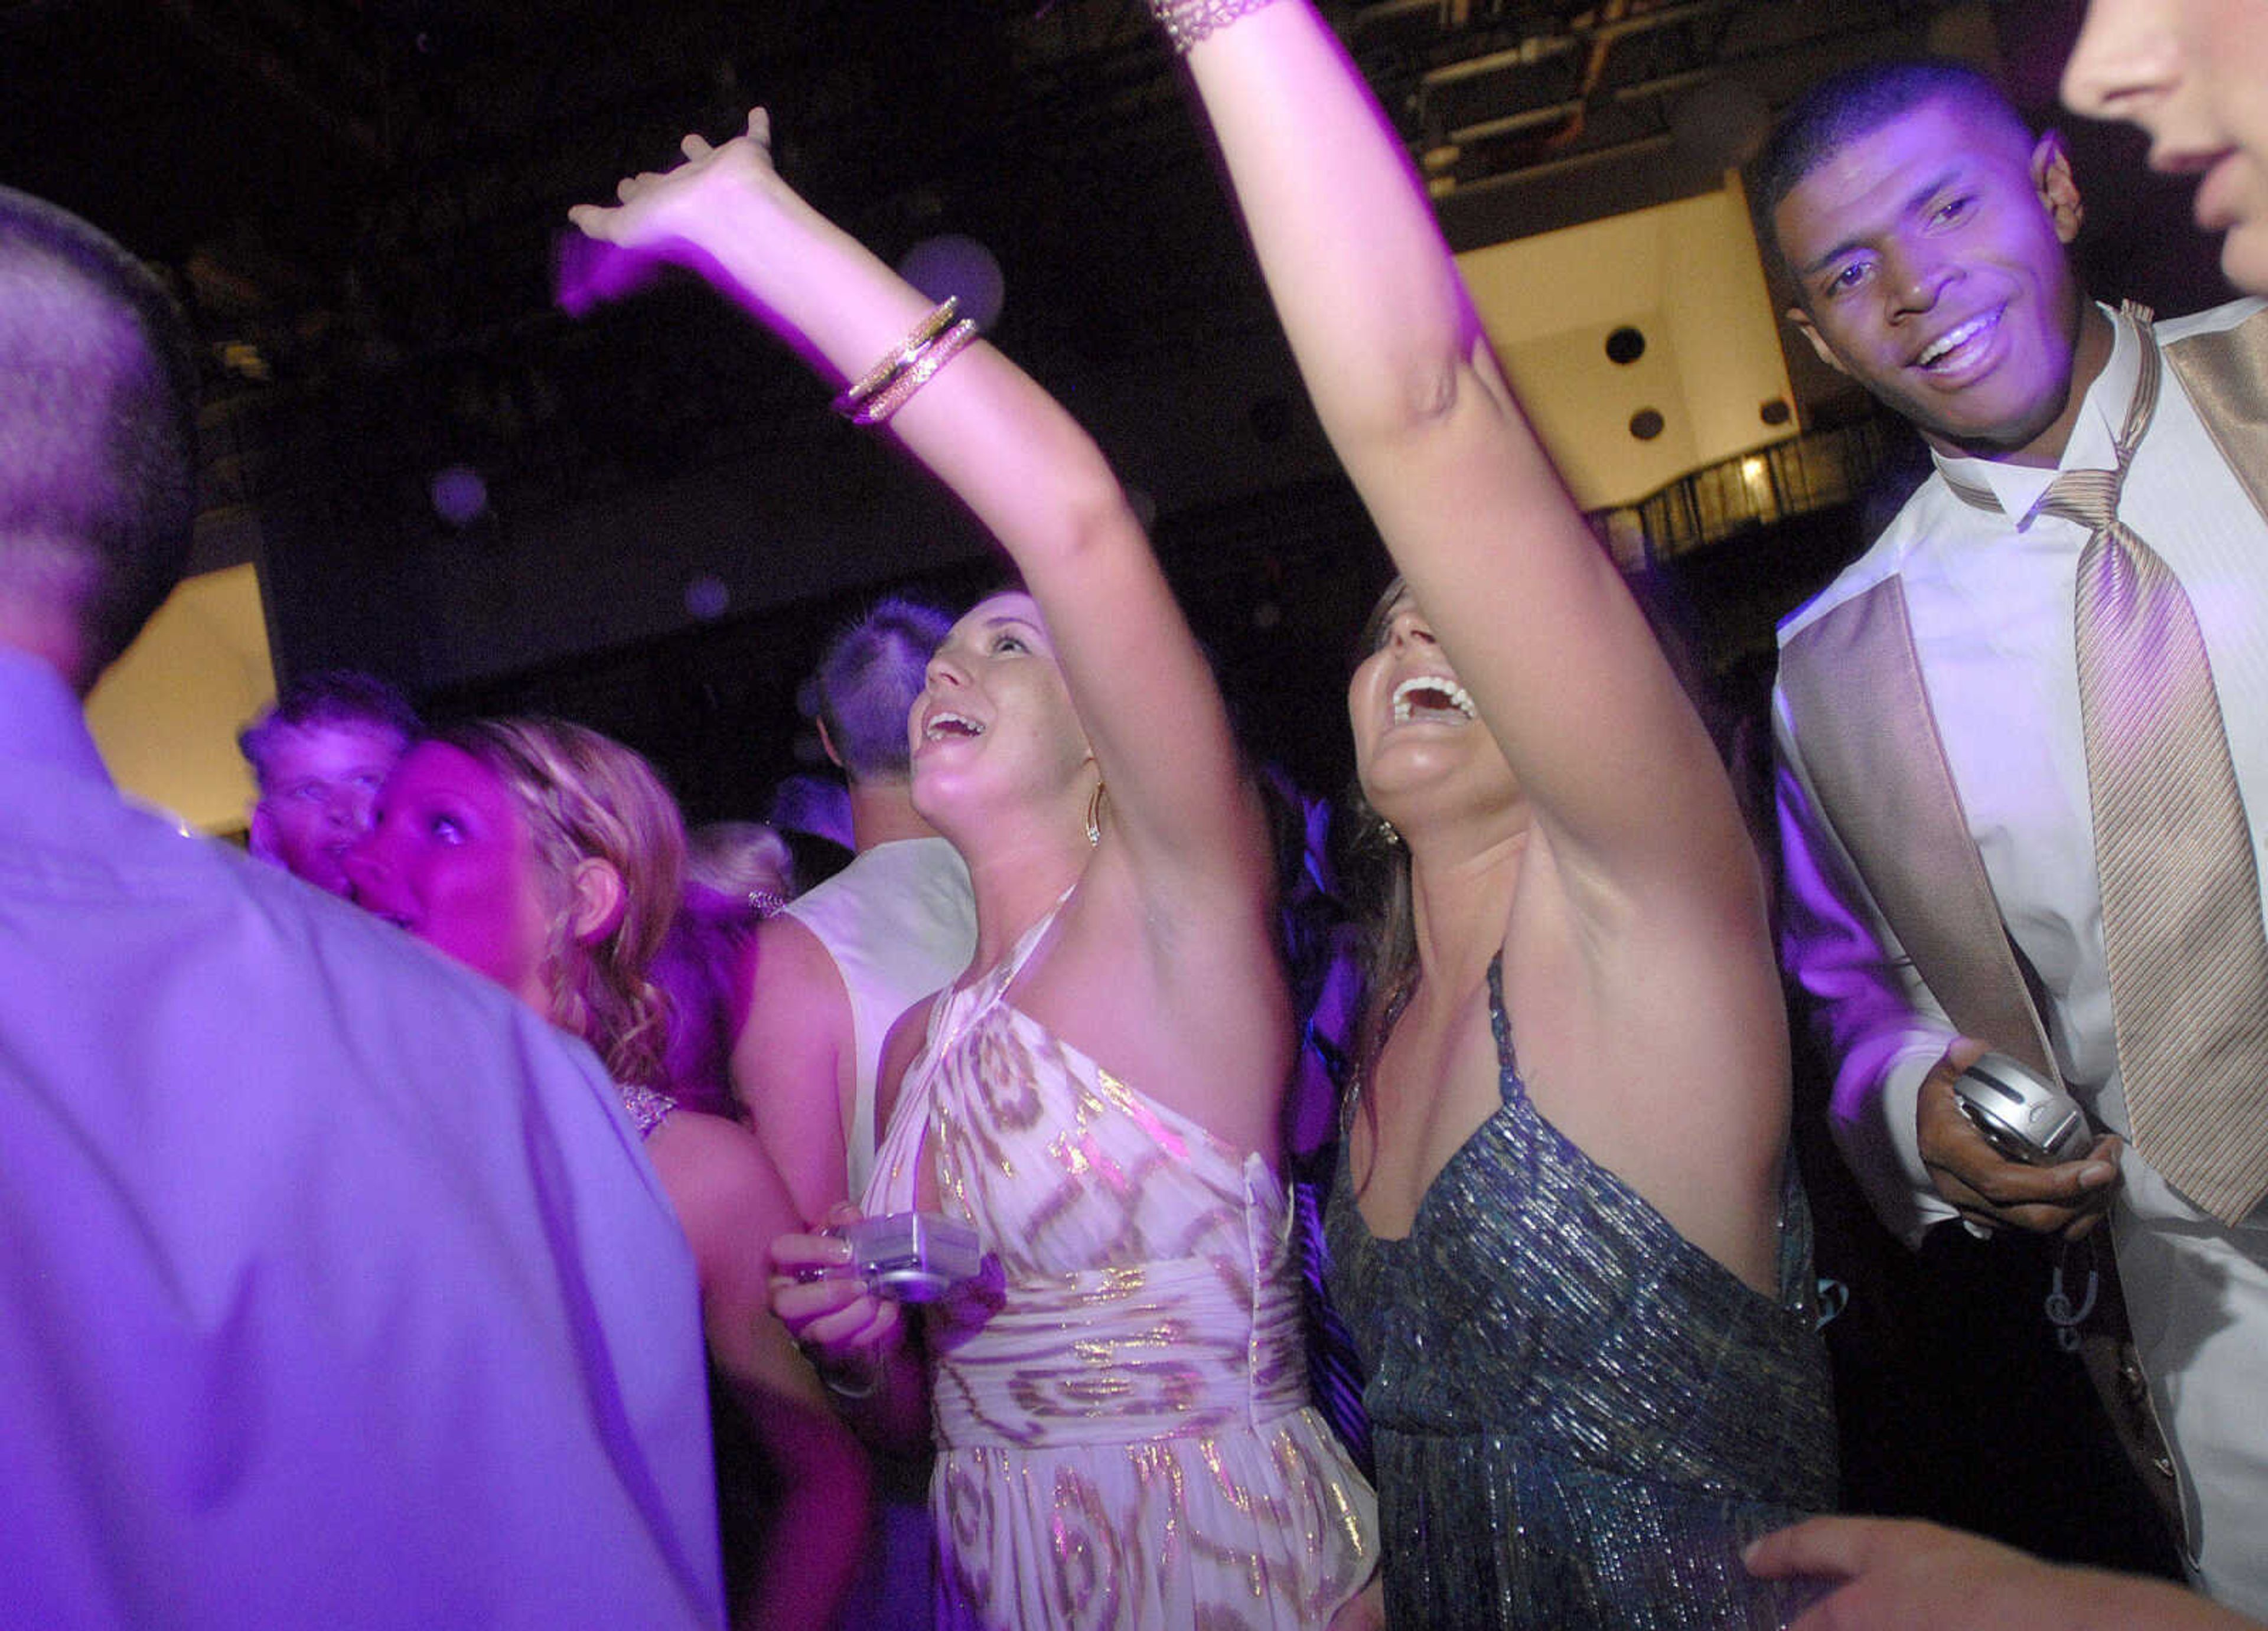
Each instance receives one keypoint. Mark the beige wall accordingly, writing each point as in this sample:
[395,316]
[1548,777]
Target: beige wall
[1688,278]
[166,715]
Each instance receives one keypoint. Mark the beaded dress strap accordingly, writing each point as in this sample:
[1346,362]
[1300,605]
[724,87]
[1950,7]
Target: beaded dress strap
[648,1109]
[1508,1082]
[1507,1059]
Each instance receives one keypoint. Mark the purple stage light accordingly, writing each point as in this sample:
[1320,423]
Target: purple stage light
[953,266]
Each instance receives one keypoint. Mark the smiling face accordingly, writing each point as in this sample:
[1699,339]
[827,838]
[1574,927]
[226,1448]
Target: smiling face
[995,720]
[1929,255]
[450,858]
[1419,744]
[2194,73]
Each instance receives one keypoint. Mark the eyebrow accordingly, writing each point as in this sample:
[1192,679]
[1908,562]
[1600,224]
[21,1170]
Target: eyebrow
[1917,200]
[1002,620]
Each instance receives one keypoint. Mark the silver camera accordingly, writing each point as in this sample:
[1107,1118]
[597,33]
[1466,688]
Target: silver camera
[915,1256]
[2021,1113]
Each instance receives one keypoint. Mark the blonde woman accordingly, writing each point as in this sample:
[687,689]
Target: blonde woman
[1124,1432]
[549,859]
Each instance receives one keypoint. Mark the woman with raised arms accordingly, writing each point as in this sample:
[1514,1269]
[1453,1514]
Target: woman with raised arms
[1122,1423]
[1568,1236]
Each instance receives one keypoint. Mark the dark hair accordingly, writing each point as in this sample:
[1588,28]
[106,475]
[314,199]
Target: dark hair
[868,681]
[1377,878]
[1857,102]
[98,438]
[1376,869]
[332,696]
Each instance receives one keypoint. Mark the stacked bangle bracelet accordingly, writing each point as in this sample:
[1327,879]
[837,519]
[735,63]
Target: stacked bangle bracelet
[886,387]
[1186,22]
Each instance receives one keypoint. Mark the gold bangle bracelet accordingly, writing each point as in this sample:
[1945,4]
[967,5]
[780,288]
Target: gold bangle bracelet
[897,362]
[877,410]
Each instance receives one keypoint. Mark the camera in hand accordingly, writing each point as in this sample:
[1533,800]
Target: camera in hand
[2021,1113]
[915,1256]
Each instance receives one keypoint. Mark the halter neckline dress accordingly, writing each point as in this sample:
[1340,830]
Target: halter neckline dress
[1124,1435]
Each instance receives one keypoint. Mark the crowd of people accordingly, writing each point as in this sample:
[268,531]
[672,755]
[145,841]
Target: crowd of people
[346,1283]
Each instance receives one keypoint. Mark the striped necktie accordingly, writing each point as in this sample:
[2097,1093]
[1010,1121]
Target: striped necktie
[2173,852]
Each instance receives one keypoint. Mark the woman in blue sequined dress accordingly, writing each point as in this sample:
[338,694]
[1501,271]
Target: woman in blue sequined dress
[1567,1235]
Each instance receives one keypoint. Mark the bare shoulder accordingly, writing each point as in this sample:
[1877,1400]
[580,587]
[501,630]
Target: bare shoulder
[789,967]
[1188,1005]
[1654,1037]
[719,1178]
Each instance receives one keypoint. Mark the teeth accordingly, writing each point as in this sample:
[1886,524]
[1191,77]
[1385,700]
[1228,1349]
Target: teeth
[1452,694]
[1953,338]
[945,722]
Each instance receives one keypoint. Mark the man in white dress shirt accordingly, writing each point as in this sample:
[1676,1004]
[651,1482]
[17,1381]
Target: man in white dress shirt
[1926,228]
[334,1289]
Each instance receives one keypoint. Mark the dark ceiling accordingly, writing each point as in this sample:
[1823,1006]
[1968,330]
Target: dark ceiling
[349,183]
[363,201]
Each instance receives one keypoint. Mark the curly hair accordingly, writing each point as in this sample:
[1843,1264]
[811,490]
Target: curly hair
[586,797]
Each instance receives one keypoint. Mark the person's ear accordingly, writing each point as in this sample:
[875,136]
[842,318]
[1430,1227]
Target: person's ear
[2058,187]
[596,902]
[827,745]
[261,837]
[1810,330]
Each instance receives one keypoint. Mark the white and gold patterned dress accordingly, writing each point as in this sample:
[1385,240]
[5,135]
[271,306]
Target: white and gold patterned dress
[1124,1434]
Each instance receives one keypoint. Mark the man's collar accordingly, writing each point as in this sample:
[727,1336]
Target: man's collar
[2094,433]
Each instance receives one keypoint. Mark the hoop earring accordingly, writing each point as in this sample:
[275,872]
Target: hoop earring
[1094,806]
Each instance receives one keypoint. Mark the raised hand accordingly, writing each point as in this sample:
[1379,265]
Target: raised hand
[660,214]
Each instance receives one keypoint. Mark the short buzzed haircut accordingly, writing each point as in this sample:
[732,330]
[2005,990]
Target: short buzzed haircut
[868,681]
[1854,103]
[98,427]
[332,697]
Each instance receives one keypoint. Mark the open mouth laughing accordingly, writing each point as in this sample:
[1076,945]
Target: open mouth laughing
[1432,699]
[945,725]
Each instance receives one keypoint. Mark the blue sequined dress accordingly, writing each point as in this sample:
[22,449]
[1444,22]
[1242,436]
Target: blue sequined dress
[1579,1417]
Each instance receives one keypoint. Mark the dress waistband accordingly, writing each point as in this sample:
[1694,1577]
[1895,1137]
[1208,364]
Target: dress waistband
[1122,1355]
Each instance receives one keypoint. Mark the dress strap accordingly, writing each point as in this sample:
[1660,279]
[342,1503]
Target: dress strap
[956,1008]
[1020,953]
[648,1109]
[1507,1059]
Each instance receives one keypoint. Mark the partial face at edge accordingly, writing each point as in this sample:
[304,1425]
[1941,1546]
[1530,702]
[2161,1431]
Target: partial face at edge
[1930,255]
[322,783]
[2194,75]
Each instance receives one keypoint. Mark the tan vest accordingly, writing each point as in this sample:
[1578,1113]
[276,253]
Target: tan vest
[1852,686]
